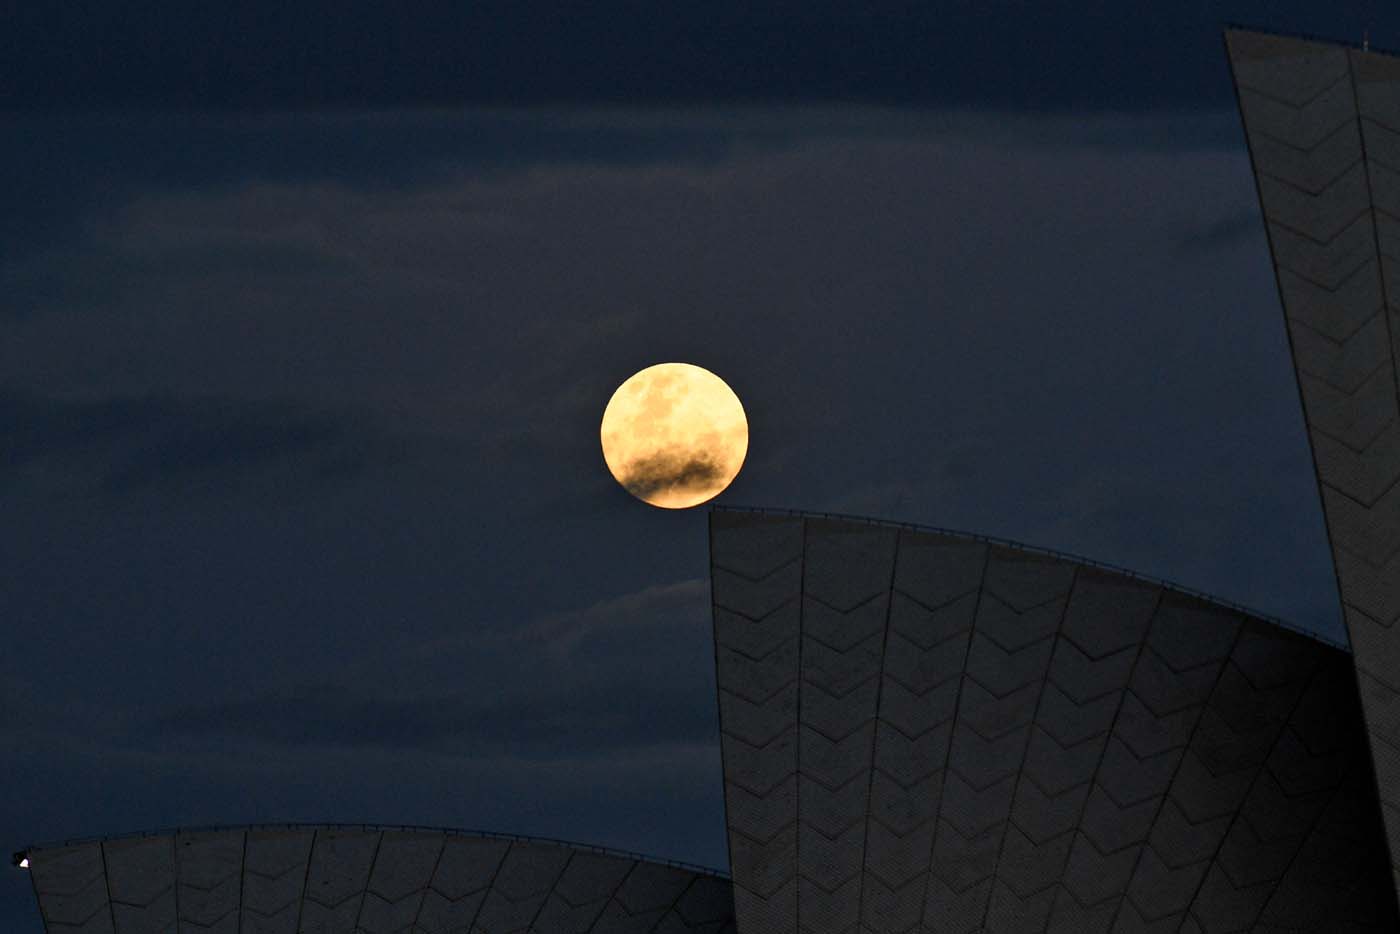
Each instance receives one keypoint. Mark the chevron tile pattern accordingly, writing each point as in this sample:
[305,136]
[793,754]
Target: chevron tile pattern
[1323,124]
[359,880]
[925,732]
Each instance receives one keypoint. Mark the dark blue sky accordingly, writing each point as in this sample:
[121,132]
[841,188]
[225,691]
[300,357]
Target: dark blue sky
[1052,54]
[310,316]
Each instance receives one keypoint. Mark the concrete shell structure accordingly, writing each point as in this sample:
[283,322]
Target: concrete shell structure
[929,732]
[352,879]
[1323,124]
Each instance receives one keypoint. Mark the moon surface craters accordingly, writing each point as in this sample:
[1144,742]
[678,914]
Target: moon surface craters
[674,435]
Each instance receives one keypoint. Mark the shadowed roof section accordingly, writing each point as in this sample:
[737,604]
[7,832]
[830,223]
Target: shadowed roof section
[1323,125]
[335,879]
[925,731]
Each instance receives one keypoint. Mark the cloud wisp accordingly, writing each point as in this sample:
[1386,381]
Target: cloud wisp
[591,682]
[679,471]
[565,724]
[122,445]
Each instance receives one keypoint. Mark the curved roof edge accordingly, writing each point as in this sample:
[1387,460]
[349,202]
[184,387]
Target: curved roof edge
[1050,553]
[374,828]
[1362,46]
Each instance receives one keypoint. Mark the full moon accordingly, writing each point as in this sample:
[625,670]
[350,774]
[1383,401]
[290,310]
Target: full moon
[674,435]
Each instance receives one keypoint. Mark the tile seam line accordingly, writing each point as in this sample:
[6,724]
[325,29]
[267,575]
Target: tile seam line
[952,733]
[1176,771]
[1375,227]
[305,881]
[875,738]
[1026,746]
[427,886]
[107,884]
[672,907]
[243,881]
[797,740]
[719,710]
[1103,754]
[1317,670]
[489,887]
[1303,842]
[1390,349]
[175,871]
[534,918]
[369,881]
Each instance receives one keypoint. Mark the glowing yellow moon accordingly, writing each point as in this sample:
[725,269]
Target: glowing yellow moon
[674,435]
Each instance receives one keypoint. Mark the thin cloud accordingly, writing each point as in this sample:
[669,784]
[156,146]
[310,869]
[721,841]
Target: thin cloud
[543,726]
[125,444]
[602,678]
[676,606]
[680,470]
[1242,226]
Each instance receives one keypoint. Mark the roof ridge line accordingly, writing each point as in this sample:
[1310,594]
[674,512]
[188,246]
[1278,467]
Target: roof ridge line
[380,828]
[1229,26]
[1050,553]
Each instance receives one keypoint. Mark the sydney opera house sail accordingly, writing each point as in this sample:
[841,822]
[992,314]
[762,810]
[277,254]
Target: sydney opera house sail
[924,732]
[1323,124]
[366,880]
[928,732]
